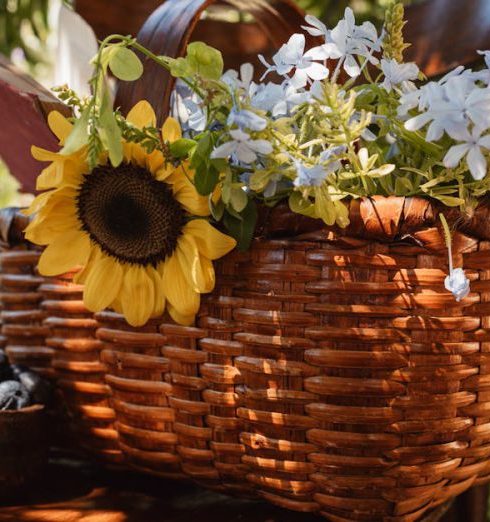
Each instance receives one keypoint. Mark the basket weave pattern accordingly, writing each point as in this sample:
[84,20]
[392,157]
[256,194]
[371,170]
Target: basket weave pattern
[334,376]
[21,317]
[78,369]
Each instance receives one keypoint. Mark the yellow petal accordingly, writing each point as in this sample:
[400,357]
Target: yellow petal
[103,283]
[46,231]
[37,203]
[137,295]
[66,253]
[197,269]
[59,125]
[211,243]
[186,194]
[155,161]
[177,289]
[171,130]
[44,155]
[160,301]
[142,115]
[184,320]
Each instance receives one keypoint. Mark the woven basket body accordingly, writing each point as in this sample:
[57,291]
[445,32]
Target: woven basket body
[328,373]
[79,372]
[22,318]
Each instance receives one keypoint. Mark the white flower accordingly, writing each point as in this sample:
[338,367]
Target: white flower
[471,147]
[330,158]
[457,283]
[242,81]
[266,96]
[292,57]
[451,106]
[246,119]
[347,40]
[309,176]
[242,148]
[316,27]
[397,73]
[187,108]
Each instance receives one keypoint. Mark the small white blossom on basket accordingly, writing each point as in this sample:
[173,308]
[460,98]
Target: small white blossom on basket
[458,284]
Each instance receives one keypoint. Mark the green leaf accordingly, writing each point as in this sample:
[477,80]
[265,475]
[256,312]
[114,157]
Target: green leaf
[238,199]
[182,147]
[450,201]
[242,229]
[217,210]
[180,68]
[78,136]
[125,65]
[109,131]
[206,174]
[205,60]
[300,205]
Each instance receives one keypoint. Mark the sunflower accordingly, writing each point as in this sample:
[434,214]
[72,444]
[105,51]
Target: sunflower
[138,232]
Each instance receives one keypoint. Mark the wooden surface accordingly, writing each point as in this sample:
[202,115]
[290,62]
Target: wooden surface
[24,105]
[72,491]
[446,33]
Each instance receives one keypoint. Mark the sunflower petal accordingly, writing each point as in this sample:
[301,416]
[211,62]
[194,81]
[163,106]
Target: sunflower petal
[211,243]
[66,253]
[197,269]
[103,283]
[184,320]
[179,292]
[160,301]
[186,194]
[137,296]
[59,125]
[44,155]
[171,130]
[142,115]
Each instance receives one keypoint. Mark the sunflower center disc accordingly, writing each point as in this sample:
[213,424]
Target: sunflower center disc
[129,214]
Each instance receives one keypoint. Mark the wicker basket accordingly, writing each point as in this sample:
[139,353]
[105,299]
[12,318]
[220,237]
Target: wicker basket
[330,372]
[21,317]
[78,370]
[47,328]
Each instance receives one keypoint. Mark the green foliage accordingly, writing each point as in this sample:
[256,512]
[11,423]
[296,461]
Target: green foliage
[201,60]
[24,25]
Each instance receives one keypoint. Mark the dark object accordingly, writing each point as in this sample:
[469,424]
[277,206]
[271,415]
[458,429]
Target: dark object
[5,371]
[17,370]
[23,450]
[38,388]
[13,396]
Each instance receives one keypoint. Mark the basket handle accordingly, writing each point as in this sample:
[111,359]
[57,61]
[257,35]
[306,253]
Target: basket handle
[168,31]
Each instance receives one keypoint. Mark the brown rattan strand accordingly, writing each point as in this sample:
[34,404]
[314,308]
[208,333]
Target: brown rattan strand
[136,373]
[21,317]
[328,373]
[80,374]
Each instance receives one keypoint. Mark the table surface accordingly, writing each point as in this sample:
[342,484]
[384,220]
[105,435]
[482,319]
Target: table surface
[76,491]
[72,491]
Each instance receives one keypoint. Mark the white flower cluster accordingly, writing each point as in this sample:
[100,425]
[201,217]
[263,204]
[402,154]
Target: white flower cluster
[301,71]
[458,106]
